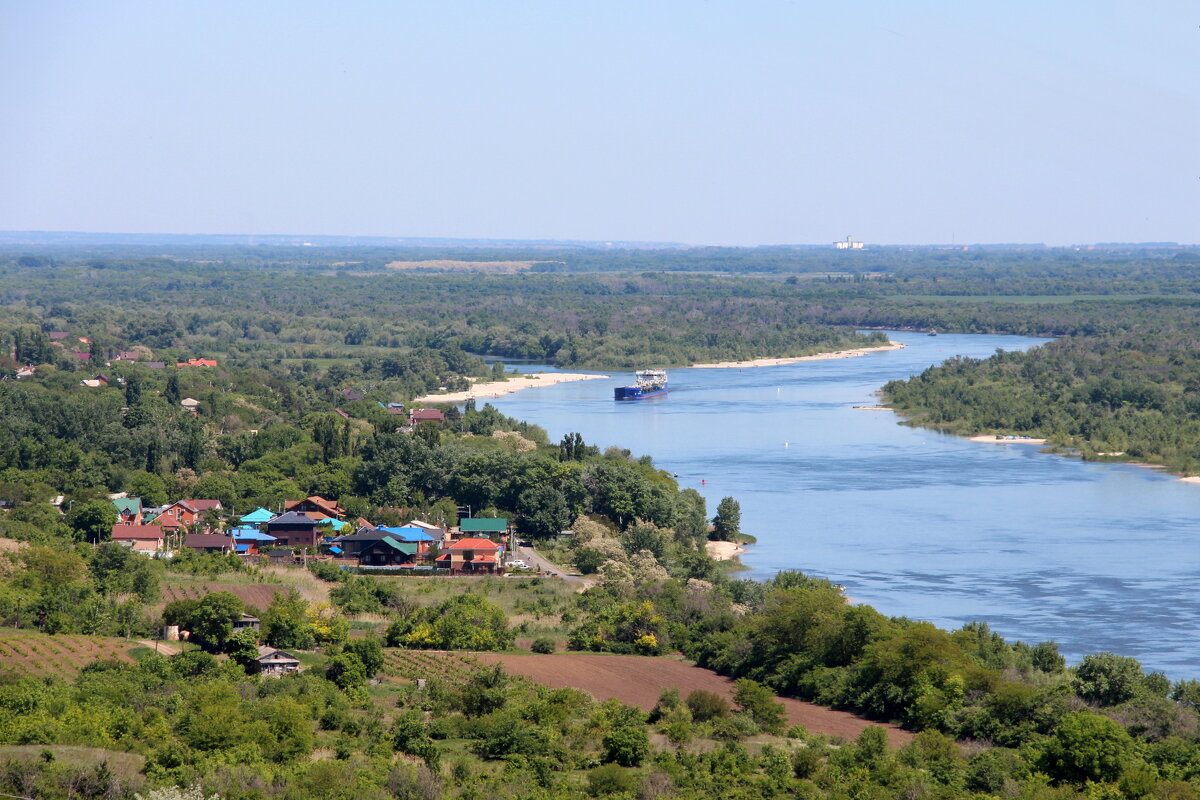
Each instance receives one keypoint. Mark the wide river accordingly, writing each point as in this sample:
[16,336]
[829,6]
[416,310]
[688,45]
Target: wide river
[1095,557]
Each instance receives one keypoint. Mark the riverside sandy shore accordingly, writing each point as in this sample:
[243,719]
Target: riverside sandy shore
[776,362]
[492,389]
[723,551]
[991,438]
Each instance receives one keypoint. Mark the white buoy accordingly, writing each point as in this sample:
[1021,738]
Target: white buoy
[785,444]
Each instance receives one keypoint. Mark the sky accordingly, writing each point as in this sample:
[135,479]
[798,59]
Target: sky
[699,121]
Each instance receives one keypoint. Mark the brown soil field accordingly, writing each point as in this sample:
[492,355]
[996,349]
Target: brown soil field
[639,681]
[39,654]
[257,595]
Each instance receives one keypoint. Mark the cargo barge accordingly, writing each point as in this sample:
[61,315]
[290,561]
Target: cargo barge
[647,383]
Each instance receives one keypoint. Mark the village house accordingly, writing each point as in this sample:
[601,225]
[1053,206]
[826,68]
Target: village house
[272,661]
[247,541]
[191,404]
[419,415]
[198,362]
[472,556]
[209,543]
[387,552]
[246,622]
[185,512]
[258,516]
[316,505]
[294,529]
[129,510]
[495,529]
[142,538]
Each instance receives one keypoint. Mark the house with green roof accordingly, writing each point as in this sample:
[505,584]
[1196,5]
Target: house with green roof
[485,527]
[387,552]
[129,510]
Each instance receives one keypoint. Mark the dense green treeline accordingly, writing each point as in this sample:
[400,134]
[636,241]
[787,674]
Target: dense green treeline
[1136,395]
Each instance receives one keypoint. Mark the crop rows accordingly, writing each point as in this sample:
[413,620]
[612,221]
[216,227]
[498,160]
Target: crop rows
[429,664]
[37,654]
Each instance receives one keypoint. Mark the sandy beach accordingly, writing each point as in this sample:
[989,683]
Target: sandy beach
[491,389]
[1191,479]
[991,437]
[776,362]
[723,551]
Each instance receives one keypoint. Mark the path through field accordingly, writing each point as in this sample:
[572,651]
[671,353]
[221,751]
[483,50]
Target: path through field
[639,680]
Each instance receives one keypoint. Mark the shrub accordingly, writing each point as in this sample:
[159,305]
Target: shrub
[627,746]
[542,644]
[706,705]
[610,779]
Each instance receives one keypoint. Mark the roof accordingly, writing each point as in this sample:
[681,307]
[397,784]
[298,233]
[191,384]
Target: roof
[128,505]
[259,514]
[189,402]
[206,540]
[427,415]
[408,548]
[330,507]
[416,523]
[292,518]
[251,535]
[337,551]
[362,535]
[275,654]
[409,534]
[473,543]
[203,505]
[120,532]
[156,365]
[242,548]
[350,394]
[482,525]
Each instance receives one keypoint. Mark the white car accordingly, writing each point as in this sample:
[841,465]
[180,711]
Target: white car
[517,564]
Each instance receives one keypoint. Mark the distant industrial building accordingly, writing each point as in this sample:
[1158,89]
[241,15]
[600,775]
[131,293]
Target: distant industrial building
[849,244]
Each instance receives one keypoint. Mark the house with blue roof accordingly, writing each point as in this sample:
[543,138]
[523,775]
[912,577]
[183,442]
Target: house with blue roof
[257,517]
[247,540]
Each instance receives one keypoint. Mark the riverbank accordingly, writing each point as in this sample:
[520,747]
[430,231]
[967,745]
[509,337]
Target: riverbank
[724,551]
[994,439]
[493,389]
[778,362]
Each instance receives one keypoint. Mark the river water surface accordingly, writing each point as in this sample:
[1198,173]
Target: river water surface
[916,523]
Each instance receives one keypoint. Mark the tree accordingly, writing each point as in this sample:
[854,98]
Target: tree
[346,671]
[706,705]
[1107,678]
[172,392]
[214,616]
[627,745]
[727,522]
[93,520]
[1086,747]
[369,651]
[543,511]
[759,702]
[242,646]
[285,623]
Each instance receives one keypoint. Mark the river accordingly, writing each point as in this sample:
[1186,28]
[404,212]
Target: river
[1097,557]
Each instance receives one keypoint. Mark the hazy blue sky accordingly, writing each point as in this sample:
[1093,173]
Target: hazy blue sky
[705,122]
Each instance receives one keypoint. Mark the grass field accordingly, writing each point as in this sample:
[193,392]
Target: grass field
[62,655]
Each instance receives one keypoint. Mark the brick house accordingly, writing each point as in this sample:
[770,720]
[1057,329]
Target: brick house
[294,529]
[472,556]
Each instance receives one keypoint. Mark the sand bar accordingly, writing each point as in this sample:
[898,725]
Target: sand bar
[723,551]
[991,437]
[1191,479]
[778,362]
[492,389]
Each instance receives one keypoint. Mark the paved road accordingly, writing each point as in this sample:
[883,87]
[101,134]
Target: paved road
[542,564]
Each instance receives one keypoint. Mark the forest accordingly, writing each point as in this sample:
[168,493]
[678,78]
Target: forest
[395,698]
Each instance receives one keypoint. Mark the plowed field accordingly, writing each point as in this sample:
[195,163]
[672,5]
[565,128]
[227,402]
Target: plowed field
[257,595]
[38,654]
[638,681]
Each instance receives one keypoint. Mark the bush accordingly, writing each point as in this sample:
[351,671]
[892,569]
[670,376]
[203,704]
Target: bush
[610,779]
[627,746]
[542,644]
[706,705]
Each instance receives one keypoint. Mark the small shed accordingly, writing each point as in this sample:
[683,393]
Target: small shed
[273,661]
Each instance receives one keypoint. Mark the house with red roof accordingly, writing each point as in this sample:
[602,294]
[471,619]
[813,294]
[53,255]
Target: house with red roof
[472,556]
[419,415]
[142,538]
[185,512]
[197,362]
[317,505]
